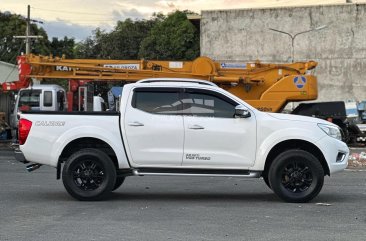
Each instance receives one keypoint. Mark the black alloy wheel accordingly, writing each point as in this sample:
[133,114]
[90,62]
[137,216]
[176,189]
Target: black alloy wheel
[89,174]
[296,176]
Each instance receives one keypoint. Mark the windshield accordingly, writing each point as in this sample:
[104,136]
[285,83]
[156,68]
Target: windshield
[352,112]
[29,98]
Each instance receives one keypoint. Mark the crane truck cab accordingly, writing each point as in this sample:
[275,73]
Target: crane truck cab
[45,97]
[38,98]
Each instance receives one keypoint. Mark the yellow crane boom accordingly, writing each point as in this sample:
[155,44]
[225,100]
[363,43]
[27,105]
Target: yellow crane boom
[266,86]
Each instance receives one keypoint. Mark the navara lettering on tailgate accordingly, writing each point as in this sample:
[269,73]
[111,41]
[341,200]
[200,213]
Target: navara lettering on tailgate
[50,123]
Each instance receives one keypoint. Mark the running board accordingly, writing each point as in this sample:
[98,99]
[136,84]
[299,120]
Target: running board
[194,172]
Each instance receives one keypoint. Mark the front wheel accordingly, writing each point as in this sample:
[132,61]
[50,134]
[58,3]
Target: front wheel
[266,181]
[296,176]
[119,182]
[89,175]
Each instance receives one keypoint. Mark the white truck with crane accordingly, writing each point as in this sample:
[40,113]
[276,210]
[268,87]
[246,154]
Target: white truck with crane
[182,127]
[47,97]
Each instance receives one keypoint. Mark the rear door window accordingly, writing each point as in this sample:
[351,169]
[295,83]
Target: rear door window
[47,98]
[163,101]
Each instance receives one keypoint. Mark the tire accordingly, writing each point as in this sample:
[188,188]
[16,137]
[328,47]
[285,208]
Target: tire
[119,182]
[296,176]
[89,175]
[266,181]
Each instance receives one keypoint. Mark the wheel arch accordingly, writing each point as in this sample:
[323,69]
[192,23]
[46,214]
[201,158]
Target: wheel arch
[82,143]
[293,144]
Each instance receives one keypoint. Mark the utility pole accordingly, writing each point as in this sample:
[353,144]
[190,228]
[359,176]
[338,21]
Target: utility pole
[27,36]
[27,43]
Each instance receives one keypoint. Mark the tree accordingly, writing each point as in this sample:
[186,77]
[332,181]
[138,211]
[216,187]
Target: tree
[10,47]
[121,43]
[175,37]
[90,48]
[124,42]
[161,37]
[63,46]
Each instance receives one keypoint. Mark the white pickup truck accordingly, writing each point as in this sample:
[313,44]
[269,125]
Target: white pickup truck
[182,127]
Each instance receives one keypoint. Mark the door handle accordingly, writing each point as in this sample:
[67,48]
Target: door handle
[196,127]
[135,123]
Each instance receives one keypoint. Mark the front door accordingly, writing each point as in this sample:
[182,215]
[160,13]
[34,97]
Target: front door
[214,137]
[154,127]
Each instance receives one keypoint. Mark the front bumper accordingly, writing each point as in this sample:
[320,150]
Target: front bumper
[336,153]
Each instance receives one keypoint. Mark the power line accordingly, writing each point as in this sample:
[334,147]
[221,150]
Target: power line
[83,20]
[70,12]
[5,52]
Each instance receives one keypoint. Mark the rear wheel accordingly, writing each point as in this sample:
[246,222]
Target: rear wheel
[296,176]
[89,175]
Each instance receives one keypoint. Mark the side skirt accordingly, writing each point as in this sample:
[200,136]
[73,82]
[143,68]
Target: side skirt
[188,172]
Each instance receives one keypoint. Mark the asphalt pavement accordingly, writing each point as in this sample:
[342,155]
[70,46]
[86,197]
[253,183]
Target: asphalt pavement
[35,206]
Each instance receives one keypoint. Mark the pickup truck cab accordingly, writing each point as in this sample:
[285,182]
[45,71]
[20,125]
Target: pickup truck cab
[182,127]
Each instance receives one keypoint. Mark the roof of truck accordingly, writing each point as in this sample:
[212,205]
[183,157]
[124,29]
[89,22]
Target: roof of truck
[44,87]
[176,81]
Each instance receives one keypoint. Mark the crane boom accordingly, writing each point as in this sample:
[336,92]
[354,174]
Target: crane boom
[266,86]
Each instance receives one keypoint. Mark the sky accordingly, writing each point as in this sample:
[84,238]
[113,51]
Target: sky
[78,18]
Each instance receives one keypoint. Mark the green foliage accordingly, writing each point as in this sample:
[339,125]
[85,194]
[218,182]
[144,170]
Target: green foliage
[61,47]
[85,49]
[91,47]
[39,46]
[10,25]
[124,41]
[121,43]
[175,37]
[15,25]
[162,37]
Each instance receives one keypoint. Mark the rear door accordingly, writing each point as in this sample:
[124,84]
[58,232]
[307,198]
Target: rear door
[214,137]
[154,127]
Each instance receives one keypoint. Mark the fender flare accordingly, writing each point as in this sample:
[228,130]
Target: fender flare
[279,136]
[98,133]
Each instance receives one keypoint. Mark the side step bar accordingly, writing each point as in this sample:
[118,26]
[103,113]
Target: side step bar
[194,172]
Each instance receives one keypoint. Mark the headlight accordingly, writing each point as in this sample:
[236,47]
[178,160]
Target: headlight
[331,131]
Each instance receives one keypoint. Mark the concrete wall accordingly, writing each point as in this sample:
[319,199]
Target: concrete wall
[340,49]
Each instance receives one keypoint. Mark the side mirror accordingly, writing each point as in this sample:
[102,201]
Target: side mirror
[242,112]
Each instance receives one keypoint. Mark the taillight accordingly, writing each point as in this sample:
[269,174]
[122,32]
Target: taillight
[23,130]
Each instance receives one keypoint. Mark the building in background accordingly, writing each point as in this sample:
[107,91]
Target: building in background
[336,40]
